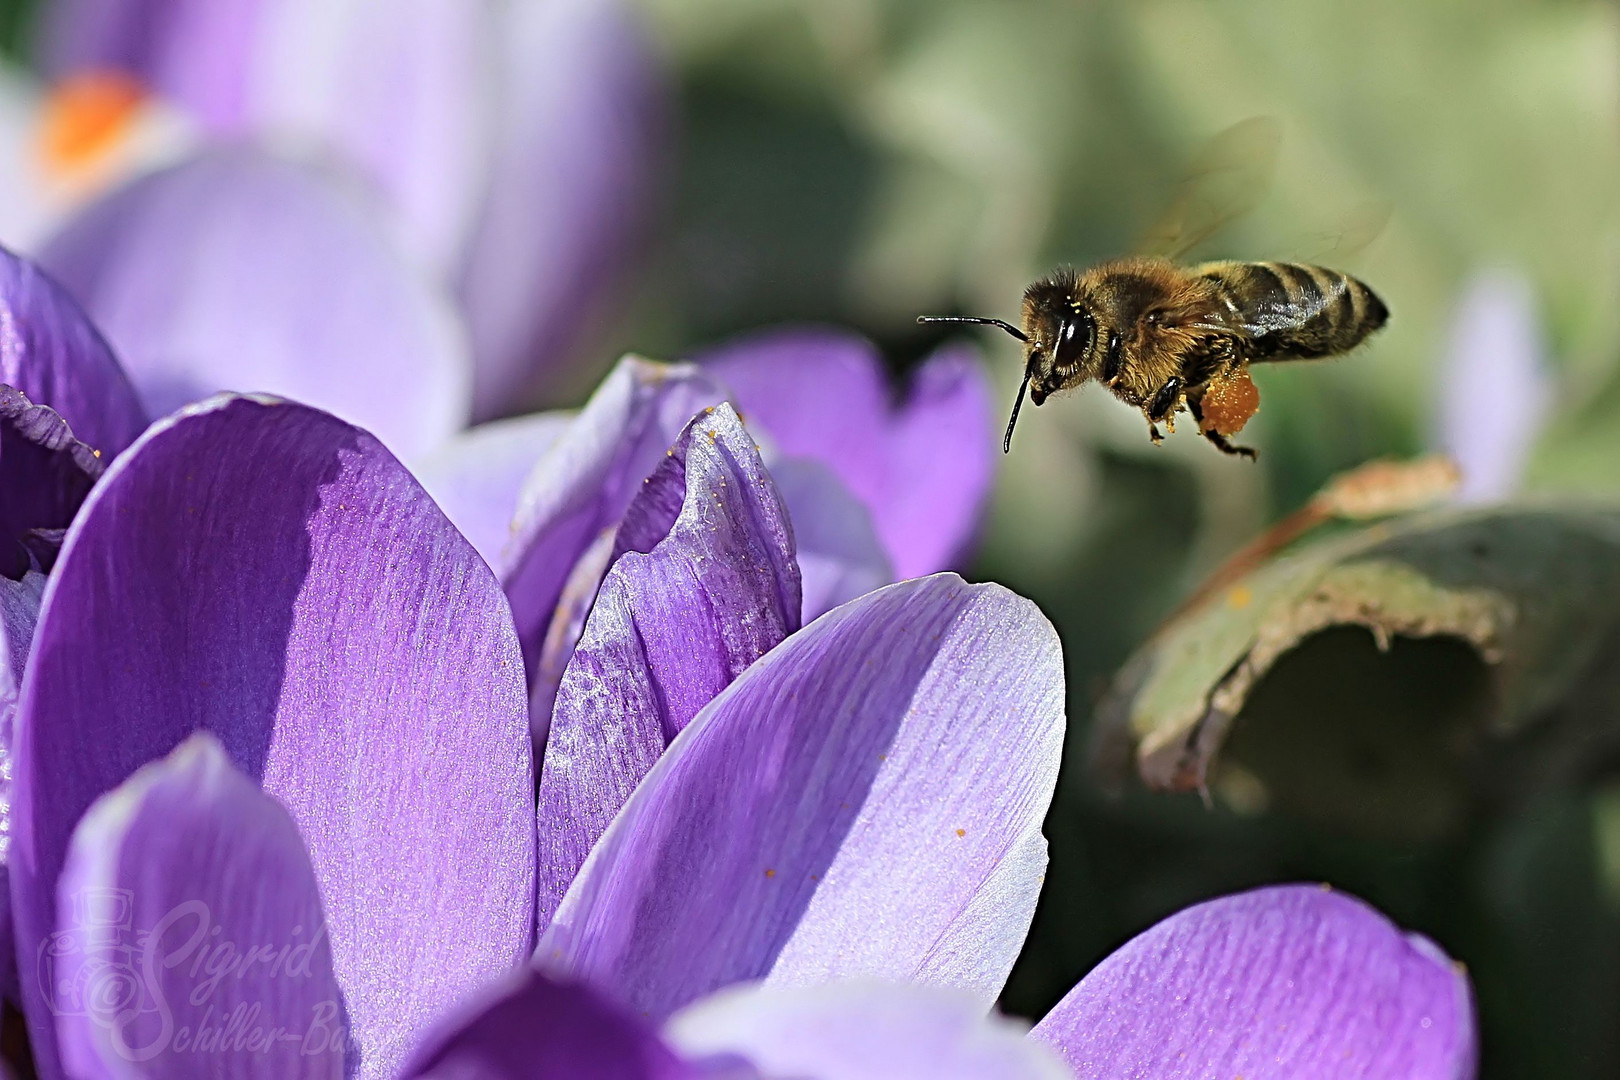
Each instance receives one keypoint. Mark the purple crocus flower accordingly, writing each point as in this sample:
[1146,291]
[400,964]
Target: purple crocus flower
[509,146]
[298,596]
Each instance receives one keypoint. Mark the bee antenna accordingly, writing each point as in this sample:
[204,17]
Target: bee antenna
[1006,443]
[1009,327]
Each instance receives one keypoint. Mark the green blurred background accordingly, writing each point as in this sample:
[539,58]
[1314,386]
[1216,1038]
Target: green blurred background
[859,162]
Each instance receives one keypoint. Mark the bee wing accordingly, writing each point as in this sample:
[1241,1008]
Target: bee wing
[1361,226]
[1228,178]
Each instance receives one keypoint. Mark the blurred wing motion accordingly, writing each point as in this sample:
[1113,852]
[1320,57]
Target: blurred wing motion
[1229,177]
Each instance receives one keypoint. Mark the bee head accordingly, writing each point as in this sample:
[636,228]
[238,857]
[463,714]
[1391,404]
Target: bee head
[1060,342]
[1061,332]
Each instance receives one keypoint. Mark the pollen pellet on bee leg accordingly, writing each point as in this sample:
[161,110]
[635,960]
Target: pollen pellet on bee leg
[1229,402]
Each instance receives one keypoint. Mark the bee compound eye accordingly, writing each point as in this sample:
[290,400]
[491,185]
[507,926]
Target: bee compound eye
[1074,339]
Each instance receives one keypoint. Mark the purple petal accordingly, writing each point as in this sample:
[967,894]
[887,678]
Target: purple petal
[19,611]
[587,479]
[235,271]
[476,476]
[1276,983]
[865,800]
[296,593]
[922,468]
[580,120]
[190,933]
[1494,390]
[863,1031]
[532,1026]
[708,586]
[50,352]
[567,624]
[840,556]
[45,474]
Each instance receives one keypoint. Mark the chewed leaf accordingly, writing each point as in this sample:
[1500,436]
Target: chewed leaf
[1532,591]
[1376,489]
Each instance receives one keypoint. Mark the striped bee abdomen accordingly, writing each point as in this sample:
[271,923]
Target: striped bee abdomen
[1289,310]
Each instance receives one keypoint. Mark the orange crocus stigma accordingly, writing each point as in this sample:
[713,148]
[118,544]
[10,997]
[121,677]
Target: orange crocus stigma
[85,117]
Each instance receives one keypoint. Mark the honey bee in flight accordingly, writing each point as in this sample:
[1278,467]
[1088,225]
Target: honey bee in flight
[1164,337]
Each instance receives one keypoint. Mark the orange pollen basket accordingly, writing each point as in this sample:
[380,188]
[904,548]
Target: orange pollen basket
[1229,402]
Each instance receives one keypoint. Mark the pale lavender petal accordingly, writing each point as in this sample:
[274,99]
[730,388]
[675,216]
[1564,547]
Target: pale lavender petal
[922,466]
[399,91]
[195,52]
[188,899]
[29,200]
[587,479]
[236,271]
[863,1031]
[581,116]
[1494,388]
[942,454]
[301,597]
[514,143]
[840,556]
[45,474]
[476,476]
[530,1026]
[1270,985]
[841,810]
[707,586]
[50,352]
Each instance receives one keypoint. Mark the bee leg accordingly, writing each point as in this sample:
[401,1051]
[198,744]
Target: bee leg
[1219,441]
[1164,403]
[1227,448]
[1153,433]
